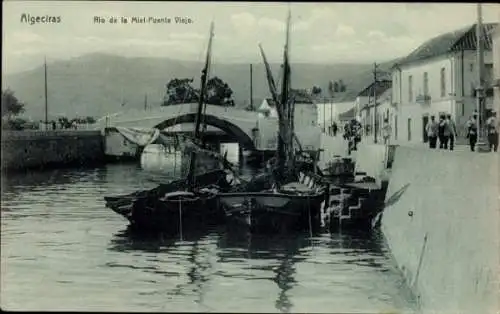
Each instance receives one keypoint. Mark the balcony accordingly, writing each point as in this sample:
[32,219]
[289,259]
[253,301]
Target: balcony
[423,99]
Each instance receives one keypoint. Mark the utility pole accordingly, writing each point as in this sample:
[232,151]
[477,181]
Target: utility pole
[480,64]
[251,86]
[375,68]
[46,102]
[324,116]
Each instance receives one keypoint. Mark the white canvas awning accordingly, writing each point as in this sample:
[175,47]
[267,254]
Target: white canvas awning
[141,137]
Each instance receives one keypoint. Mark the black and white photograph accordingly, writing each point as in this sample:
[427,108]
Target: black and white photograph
[250,157]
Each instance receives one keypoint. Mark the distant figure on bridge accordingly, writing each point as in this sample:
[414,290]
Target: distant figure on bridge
[492,125]
[53,125]
[386,131]
[432,132]
[453,130]
[472,131]
[335,128]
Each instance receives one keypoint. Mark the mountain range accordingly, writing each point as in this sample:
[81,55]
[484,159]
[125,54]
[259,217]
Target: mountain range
[99,84]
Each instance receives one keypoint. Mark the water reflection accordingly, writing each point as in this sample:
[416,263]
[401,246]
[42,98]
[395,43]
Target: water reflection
[60,241]
[283,250]
[29,180]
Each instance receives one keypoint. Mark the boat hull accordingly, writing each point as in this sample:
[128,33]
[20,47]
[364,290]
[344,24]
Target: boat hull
[265,212]
[134,206]
[175,216]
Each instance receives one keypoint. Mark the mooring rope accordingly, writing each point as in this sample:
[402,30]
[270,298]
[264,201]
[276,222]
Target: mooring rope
[310,218]
[180,218]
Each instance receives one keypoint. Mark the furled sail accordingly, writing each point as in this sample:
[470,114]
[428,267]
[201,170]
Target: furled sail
[141,137]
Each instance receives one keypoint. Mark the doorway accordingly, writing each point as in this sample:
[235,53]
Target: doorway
[396,127]
[409,129]
[425,120]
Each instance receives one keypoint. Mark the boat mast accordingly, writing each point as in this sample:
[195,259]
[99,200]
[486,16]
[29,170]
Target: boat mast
[46,101]
[270,79]
[204,75]
[285,144]
[480,65]
[251,86]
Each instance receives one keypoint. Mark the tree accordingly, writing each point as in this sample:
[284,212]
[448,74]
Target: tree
[336,87]
[331,90]
[301,96]
[219,93]
[342,87]
[11,106]
[90,120]
[316,91]
[180,91]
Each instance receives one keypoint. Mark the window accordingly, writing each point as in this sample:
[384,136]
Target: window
[471,67]
[426,84]
[410,88]
[488,73]
[443,82]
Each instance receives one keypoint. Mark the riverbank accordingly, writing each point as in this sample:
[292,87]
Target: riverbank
[51,149]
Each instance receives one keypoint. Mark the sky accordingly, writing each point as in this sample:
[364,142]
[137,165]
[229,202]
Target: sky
[321,32]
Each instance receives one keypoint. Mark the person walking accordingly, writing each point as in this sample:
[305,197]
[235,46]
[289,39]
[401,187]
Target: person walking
[492,128]
[472,132]
[443,132]
[453,131]
[386,131]
[335,129]
[432,132]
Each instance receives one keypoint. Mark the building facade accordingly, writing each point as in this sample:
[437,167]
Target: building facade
[496,68]
[437,78]
[372,117]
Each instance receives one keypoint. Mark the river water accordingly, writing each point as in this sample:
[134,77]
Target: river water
[61,249]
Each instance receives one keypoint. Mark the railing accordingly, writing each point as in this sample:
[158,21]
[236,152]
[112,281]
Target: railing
[423,99]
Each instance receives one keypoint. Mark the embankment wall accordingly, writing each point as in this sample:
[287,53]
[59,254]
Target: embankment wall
[442,225]
[43,149]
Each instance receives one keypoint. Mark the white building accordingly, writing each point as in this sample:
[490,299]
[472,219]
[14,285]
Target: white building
[365,106]
[328,112]
[496,67]
[439,77]
[267,109]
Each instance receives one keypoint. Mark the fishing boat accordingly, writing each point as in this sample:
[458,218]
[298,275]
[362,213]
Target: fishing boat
[290,205]
[180,204]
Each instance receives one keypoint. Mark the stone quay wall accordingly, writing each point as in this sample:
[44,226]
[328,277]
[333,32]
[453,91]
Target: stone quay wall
[46,149]
[441,221]
[442,226]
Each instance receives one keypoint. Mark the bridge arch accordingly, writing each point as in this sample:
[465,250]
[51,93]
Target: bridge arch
[230,128]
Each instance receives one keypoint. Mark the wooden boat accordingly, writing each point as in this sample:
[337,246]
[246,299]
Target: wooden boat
[123,204]
[290,205]
[183,203]
[274,211]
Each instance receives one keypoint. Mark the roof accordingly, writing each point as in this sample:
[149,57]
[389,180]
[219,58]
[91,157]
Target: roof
[348,115]
[461,39]
[269,101]
[380,87]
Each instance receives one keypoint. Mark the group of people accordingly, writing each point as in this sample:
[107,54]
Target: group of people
[445,130]
[352,133]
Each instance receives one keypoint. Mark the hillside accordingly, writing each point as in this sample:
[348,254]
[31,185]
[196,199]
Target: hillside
[97,84]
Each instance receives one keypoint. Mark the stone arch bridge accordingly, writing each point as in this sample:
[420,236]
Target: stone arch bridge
[246,127]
